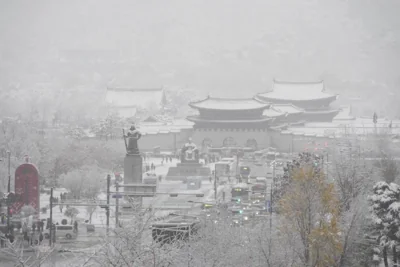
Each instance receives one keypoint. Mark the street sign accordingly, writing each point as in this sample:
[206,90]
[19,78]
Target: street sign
[117,196]
[140,190]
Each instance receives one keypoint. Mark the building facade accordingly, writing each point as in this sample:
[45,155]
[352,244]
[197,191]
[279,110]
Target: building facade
[258,122]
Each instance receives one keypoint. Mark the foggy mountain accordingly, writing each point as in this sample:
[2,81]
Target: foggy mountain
[212,46]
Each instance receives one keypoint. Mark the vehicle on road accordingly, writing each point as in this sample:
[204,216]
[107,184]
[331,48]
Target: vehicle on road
[150,178]
[240,192]
[62,231]
[179,228]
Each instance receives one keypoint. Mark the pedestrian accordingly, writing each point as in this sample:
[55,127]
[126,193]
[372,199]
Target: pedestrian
[33,227]
[40,237]
[76,226]
[152,166]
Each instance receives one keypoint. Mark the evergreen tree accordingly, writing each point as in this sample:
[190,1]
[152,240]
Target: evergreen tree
[385,208]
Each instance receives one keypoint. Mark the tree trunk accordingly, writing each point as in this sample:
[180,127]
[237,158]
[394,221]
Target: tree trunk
[385,259]
[394,256]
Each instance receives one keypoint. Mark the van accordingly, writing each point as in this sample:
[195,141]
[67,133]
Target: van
[63,231]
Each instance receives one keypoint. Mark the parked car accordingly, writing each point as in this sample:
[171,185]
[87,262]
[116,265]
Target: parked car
[63,231]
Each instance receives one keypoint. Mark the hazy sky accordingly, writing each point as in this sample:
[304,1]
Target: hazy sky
[210,45]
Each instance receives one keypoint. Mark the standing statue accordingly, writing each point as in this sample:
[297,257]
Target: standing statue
[133,136]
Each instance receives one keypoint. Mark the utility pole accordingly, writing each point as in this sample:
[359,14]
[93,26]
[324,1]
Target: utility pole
[215,183]
[116,204]
[51,216]
[270,196]
[108,202]
[8,191]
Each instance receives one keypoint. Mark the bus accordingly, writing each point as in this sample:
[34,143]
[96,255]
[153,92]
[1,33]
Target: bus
[175,229]
[240,192]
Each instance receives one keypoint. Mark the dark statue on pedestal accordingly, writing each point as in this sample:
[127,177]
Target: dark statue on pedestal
[133,136]
[189,153]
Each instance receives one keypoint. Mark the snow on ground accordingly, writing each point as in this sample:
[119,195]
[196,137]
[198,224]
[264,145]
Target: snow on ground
[99,215]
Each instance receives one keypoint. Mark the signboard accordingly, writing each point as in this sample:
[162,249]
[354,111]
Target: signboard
[26,187]
[140,190]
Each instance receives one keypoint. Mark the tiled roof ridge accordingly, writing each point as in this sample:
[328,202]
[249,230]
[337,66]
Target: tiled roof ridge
[132,89]
[229,99]
[287,104]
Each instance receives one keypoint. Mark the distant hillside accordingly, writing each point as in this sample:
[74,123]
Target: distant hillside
[218,47]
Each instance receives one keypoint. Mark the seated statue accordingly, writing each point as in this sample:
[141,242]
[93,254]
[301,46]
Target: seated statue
[133,136]
[189,152]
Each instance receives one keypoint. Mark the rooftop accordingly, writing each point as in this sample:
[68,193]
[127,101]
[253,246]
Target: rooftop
[344,114]
[229,104]
[135,97]
[297,91]
[199,119]
[274,113]
[287,108]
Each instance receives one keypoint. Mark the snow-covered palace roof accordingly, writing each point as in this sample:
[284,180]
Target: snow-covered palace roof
[297,91]
[146,98]
[212,103]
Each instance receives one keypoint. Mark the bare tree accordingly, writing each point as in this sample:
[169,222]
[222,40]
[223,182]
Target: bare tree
[15,253]
[352,178]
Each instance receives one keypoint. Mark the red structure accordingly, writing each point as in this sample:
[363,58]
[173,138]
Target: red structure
[26,187]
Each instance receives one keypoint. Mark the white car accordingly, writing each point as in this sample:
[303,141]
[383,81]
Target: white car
[63,231]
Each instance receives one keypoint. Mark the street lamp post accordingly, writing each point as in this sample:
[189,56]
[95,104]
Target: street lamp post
[8,191]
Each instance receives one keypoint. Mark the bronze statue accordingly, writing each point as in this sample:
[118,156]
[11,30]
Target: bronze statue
[133,136]
[189,152]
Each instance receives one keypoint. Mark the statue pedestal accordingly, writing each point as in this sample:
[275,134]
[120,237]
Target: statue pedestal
[133,169]
[133,174]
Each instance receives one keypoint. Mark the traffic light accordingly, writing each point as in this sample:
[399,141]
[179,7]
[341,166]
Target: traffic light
[241,211]
[173,195]
[199,195]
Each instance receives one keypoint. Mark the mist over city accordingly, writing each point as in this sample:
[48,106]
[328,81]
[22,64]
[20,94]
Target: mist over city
[199,133]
